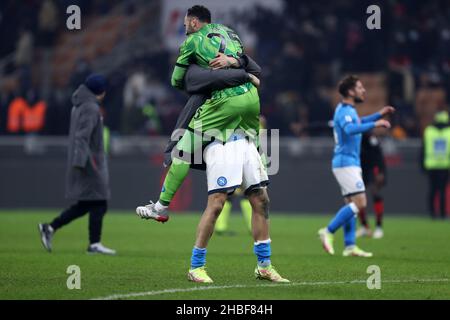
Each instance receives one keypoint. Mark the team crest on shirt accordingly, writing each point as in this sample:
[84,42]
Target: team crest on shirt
[359,185]
[222,181]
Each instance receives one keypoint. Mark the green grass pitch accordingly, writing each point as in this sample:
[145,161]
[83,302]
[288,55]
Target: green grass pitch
[153,259]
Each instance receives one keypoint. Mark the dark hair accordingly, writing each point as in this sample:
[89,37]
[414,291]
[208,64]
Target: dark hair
[200,12]
[346,84]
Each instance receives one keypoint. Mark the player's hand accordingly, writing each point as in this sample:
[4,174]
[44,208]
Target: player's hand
[382,124]
[387,110]
[254,80]
[223,61]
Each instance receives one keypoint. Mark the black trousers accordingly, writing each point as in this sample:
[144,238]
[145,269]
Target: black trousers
[96,209]
[438,184]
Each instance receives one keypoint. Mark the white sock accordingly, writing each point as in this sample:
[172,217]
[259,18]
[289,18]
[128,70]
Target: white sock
[354,208]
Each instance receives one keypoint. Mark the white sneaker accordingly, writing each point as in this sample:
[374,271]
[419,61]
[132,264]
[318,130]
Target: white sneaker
[327,240]
[363,232]
[378,233]
[354,251]
[150,212]
[99,248]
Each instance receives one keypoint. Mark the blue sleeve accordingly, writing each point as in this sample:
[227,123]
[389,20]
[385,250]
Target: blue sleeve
[354,128]
[371,118]
[347,121]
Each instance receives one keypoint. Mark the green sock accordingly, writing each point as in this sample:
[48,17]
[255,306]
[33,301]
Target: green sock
[174,178]
[179,169]
[246,208]
[222,220]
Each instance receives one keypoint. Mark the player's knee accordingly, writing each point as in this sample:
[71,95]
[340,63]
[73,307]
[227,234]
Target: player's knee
[260,202]
[265,201]
[216,202]
[359,200]
[361,204]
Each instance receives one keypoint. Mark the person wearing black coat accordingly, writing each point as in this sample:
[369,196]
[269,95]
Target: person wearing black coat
[87,177]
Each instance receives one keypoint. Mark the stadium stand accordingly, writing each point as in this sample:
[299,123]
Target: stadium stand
[303,52]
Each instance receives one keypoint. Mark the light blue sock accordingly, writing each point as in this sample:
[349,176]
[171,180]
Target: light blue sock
[198,258]
[263,252]
[350,232]
[342,216]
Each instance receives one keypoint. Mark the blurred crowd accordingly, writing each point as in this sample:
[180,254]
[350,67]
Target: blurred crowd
[303,49]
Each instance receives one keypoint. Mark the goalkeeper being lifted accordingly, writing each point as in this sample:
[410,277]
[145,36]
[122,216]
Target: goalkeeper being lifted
[224,112]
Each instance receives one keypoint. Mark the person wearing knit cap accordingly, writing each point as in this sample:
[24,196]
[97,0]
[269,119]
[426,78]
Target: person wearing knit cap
[96,83]
[87,179]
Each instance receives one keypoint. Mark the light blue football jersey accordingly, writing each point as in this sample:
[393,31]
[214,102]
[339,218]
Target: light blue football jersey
[348,142]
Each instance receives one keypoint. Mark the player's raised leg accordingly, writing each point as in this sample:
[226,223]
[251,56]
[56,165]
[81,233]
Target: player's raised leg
[177,173]
[353,190]
[345,214]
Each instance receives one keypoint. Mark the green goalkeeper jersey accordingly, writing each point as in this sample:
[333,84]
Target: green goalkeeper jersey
[201,47]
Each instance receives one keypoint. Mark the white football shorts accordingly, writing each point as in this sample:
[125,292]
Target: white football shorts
[234,164]
[350,180]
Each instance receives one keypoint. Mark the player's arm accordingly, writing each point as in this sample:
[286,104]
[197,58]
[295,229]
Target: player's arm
[371,118]
[244,61]
[202,80]
[351,127]
[378,115]
[187,51]
[250,65]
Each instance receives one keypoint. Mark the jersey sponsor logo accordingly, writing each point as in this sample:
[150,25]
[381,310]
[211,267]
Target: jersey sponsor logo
[222,181]
[348,118]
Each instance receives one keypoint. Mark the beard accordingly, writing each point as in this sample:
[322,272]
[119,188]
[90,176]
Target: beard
[358,100]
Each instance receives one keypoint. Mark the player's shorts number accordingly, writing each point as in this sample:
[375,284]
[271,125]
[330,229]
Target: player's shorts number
[198,113]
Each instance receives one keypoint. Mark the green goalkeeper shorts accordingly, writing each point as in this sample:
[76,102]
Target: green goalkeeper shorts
[219,118]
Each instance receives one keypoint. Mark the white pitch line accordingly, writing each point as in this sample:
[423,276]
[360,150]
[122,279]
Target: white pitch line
[237,286]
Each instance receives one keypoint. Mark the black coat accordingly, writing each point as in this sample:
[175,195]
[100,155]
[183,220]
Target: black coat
[87,167]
